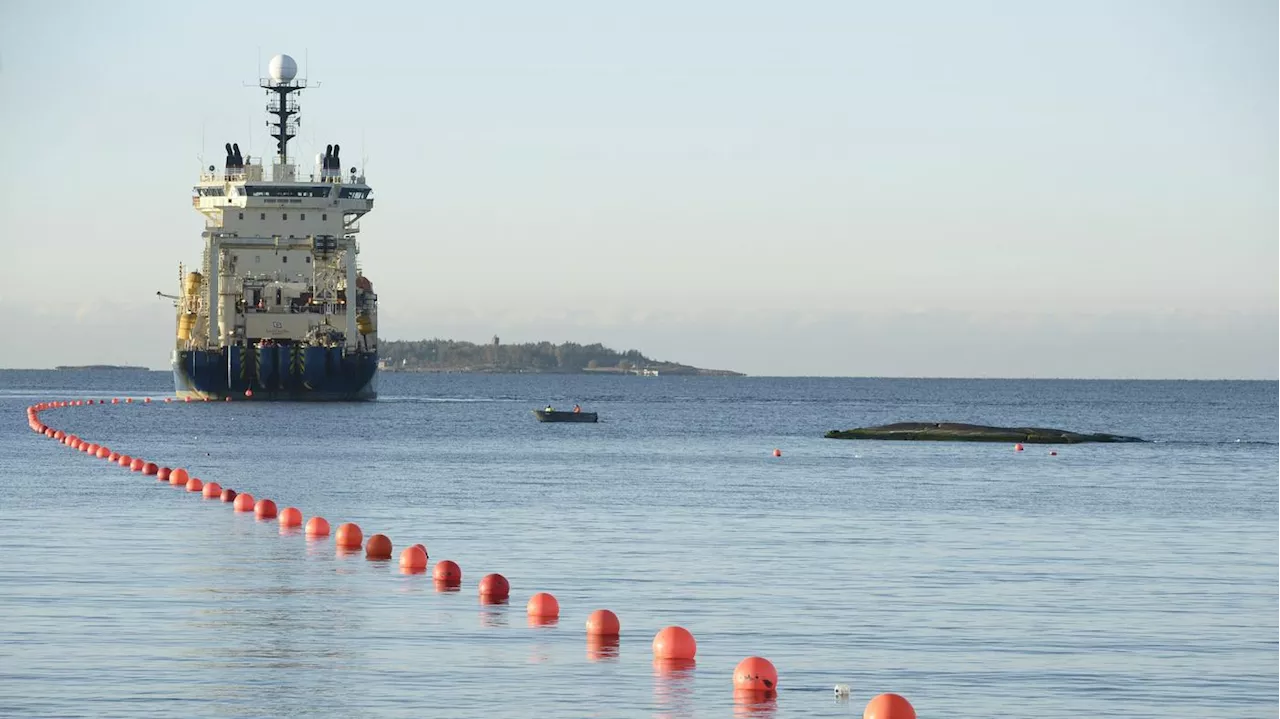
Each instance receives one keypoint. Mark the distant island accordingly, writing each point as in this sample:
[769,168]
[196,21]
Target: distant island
[64,367]
[437,355]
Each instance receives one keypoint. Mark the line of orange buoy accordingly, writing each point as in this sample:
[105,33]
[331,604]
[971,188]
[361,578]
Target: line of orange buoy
[754,678]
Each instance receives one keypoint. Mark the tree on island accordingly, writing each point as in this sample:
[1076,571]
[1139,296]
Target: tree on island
[437,355]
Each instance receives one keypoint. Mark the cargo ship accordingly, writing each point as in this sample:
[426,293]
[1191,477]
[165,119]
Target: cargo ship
[279,309]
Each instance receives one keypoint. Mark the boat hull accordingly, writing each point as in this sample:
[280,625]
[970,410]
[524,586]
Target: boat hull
[276,374]
[545,416]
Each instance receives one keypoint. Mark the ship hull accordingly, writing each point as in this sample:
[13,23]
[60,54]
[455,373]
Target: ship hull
[280,374]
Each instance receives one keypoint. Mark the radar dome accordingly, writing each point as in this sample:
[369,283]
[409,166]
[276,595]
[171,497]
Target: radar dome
[283,68]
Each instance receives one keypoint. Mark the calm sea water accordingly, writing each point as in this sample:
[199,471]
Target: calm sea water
[1110,580]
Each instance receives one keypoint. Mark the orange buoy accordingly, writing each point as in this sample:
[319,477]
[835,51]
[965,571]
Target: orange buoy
[542,604]
[90,448]
[150,468]
[167,400]
[317,527]
[228,495]
[115,400]
[1017,447]
[248,393]
[228,399]
[147,400]
[195,485]
[243,502]
[264,509]
[777,453]
[179,476]
[349,536]
[290,517]
[889,706]
[756,675]
[163,474]
[59,435]
[495,587]
[1053,454]
[674,643]
[447,573]
[378,547]
[137,464]
[128,400]
[103,453]
[125,460]
[423,547]
[603,623]
[212,490]
[413,559]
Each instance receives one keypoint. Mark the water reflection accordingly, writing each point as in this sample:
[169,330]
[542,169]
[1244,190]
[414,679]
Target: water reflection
[543,621]
[488,600]
[317,547]
[493,618]
[601,648]
[673,686]
[755,704]
[446,586]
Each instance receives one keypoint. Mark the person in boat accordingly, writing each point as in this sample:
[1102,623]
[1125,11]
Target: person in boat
[577,409]
[548,410]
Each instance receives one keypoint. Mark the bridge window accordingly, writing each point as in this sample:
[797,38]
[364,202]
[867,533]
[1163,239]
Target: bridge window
[284,259]
[262,191]
[303,217]
[308,259]
[263,217]
[242,215]
[324,217]
[285,216]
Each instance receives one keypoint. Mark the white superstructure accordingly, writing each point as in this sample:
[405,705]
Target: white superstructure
[280,251]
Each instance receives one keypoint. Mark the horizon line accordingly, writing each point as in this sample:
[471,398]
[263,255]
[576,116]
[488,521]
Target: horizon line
[123,368]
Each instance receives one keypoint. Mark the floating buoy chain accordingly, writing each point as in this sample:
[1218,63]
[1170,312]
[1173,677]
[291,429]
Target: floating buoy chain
[754,678]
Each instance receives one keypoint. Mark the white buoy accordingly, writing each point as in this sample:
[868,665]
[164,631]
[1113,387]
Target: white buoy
[842,691]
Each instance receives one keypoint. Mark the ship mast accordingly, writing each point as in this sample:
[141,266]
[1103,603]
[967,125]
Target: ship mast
[280,87]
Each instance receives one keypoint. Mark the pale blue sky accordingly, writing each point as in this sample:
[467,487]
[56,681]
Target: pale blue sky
[1083,189]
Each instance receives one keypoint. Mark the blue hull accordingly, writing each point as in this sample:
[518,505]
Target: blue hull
[282,373]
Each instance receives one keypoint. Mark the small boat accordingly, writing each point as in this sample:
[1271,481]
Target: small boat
[564,416]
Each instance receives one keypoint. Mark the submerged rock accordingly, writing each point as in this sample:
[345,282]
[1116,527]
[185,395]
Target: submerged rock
[953,432]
